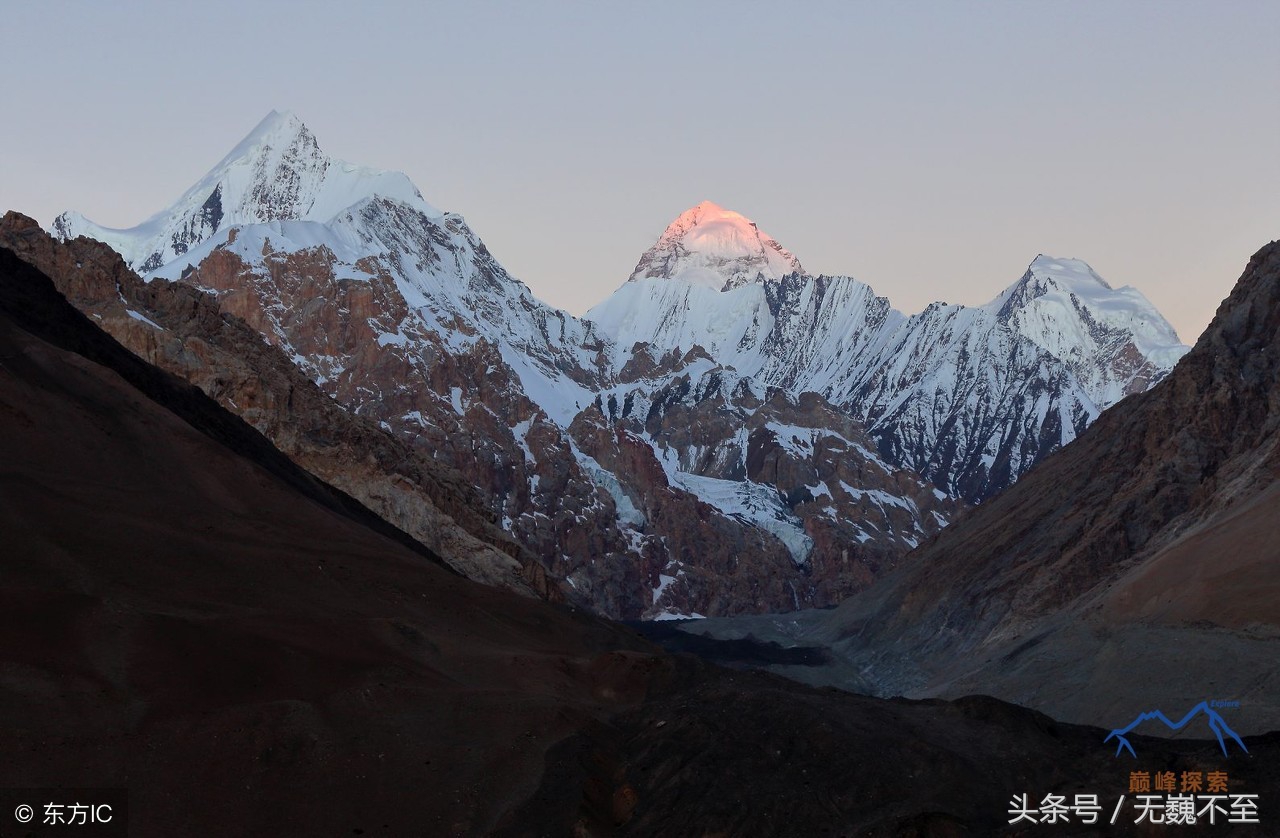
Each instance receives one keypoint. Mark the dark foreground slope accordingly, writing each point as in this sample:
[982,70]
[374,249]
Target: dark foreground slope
[1137,568]
[184,331]
[189,615]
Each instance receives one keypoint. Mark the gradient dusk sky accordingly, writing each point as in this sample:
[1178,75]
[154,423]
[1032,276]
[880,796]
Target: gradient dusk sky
[928,149]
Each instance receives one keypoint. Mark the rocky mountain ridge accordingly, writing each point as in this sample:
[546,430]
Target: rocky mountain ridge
[742,488]
[400,314]
[969,396]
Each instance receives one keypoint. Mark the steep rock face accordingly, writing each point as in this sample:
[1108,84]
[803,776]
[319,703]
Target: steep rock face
[698,560]
[965,401]
[515,470]
[448,389]
[401,314]
[797,466]
[282,196]
[970,397]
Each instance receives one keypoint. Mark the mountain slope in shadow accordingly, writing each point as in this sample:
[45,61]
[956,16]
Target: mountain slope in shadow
[189,615]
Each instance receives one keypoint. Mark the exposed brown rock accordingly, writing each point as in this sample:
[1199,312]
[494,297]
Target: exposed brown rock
[503,444]
[458,405]
[532,483]
[229,361]
[718,565]
[865,516]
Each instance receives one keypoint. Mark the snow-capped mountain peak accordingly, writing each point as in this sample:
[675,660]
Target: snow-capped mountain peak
[277,129]
[711,246]
[277,172]
[1113,339]
[969,396]
[767,415]
[1048,275]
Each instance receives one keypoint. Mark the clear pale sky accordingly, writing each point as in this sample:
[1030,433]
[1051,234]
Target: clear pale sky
[929,149]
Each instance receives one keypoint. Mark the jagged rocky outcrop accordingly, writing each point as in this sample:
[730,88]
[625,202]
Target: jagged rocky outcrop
[794,464]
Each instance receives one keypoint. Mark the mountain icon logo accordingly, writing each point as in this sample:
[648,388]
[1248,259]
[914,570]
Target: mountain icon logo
[1217,724]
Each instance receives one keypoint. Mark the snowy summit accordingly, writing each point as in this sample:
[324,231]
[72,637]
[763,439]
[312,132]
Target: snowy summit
[1113,339]
[711,246]
[277,172]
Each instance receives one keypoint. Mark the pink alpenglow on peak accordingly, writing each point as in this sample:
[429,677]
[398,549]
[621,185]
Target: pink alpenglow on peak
[711,246]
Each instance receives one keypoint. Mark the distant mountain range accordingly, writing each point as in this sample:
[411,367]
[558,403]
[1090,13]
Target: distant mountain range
[724,434]
[970,397]
[190,614]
